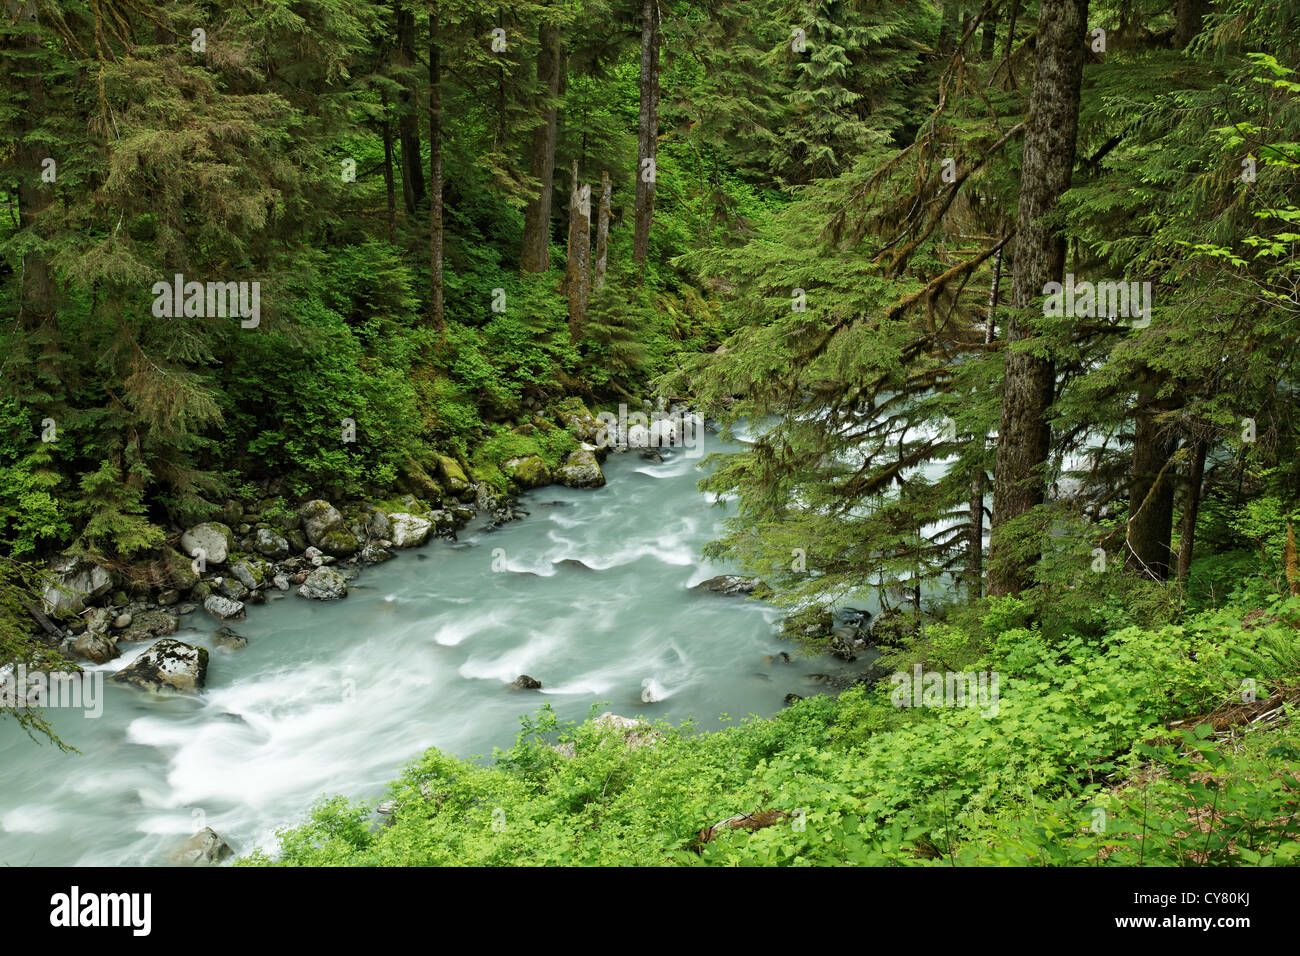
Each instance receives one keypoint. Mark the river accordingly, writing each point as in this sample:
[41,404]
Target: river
[592,598]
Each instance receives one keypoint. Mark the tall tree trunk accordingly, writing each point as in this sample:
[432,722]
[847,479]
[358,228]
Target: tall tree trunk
[1024,437]
[36,296]
[435,172]
[647,133]
[1151,490]
[535,255]
[989,34]
[389,188]
[408,125]
[1188,17]
[577,277]
[1191,506]
[602,233]
[979,484]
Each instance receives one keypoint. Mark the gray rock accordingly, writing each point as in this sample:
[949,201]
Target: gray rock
[251,573]
[729,584]
[374,554]
[581,470]
[122,621]
[213,537]
[224,609]
[228,640]
[271,545]
[168,596]
[231,587]
[205,848]
[281,582]
[524,682]
[170,665]
[407,530]
[77,582]
[96,646]
[326,529]
[324,584]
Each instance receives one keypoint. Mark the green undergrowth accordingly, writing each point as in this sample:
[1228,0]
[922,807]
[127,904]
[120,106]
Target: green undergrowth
[1075,767]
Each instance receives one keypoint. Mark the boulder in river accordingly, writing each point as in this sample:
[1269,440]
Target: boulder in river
[581,469]
[729,584]
[223,608]
[212,538]
[524,682]
[326,529]
[205,848]
[228,640]
[170,665]
[77,582]
[324,584]
[407,530]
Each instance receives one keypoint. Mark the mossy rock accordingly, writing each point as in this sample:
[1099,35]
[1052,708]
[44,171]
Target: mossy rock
[453,475]
[527,472]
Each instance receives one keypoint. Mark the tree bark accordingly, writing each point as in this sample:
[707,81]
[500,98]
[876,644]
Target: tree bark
[577,278]
[436,318]
[979,484]
[408,126]
[647,133]
[1191,506]
[1151,491]
[1024,436]
[389,186]
[602,233]
[36,296]
[535,255]
[989,34]
[1188,17]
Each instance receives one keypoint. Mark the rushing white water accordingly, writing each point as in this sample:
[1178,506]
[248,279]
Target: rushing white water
[335,697]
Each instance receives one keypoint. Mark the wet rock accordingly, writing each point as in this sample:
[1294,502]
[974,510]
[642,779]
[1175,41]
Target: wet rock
[281,581]
[224,609]
[581,469]
[228,640]
[374,554]
[729,584]
[524,682]
[213,538]
[324,584]
[271,545]
[326,530]
[408,530]
[790,699]
[781,658]
[170,665]
[96,646]
[205,848]
[122,621]
[77,582]
[231,587]
[251,572]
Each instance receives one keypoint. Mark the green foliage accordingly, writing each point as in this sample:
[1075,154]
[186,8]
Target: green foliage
[867,782]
